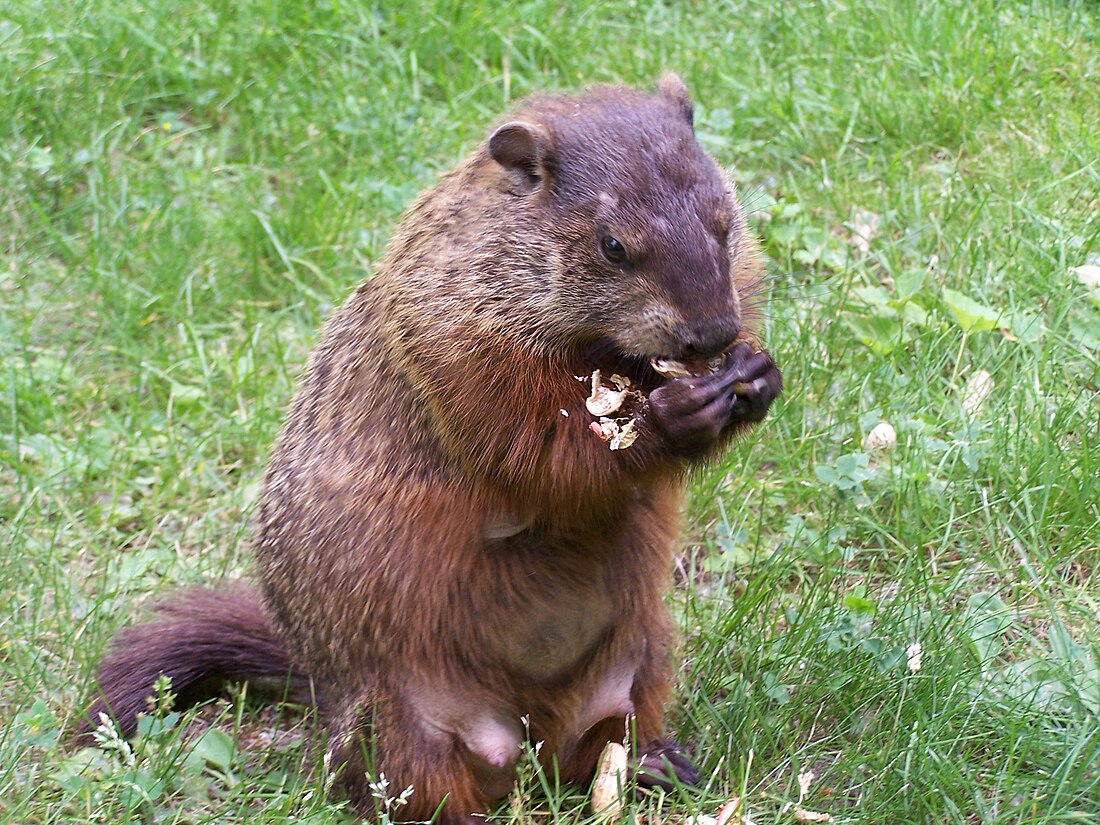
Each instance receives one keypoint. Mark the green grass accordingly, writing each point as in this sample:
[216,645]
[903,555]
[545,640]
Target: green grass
[188,188]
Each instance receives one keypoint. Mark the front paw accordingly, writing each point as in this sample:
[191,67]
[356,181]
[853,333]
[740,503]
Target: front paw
[757,383]
[693,411]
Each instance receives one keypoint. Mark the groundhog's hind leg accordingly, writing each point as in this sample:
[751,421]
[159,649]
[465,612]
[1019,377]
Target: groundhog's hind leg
[656,762]
[437,766]
[660,762]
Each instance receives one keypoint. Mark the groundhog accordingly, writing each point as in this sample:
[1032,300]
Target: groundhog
[449,551]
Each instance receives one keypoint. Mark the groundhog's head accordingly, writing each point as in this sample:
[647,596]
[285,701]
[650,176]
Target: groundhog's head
[650,243]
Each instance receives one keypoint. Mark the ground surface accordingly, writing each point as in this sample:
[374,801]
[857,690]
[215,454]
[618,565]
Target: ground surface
[188,187]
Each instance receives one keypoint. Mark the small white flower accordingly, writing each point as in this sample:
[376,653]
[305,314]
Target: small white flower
[913,657]
[864,228]
[1089,275]
[977,391]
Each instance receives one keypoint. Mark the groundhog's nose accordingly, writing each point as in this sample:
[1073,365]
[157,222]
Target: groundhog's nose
[710,337]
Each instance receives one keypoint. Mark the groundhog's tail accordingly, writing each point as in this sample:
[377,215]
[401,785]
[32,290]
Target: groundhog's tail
[200,639]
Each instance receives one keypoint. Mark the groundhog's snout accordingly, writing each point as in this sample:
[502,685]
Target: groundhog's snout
[708,337]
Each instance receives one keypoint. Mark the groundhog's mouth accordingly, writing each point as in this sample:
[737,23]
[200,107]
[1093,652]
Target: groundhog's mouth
[607,357]
[645,372]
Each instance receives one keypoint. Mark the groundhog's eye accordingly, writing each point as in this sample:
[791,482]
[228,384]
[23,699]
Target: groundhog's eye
[613,249]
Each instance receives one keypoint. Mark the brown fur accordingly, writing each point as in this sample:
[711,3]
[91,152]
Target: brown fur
[189,637]
[441,549]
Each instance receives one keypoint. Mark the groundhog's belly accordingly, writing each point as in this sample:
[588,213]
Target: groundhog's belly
[554,633]
[558,603]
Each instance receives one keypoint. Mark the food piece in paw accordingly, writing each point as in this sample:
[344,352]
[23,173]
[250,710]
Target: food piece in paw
[671,368]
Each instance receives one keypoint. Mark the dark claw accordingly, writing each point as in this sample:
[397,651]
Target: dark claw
[664,764]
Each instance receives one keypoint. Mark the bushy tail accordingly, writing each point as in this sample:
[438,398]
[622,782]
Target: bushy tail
[200,639]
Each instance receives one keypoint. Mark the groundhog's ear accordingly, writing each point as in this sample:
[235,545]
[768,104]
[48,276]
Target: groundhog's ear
[521,148]
[673,90]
